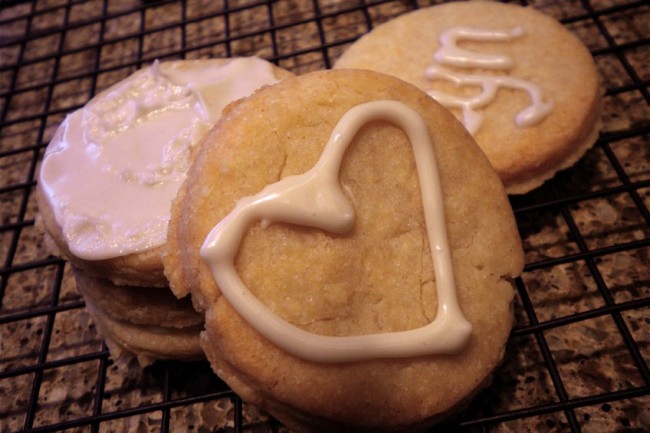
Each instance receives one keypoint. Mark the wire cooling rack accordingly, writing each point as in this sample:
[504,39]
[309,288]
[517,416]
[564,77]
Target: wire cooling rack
[577,360]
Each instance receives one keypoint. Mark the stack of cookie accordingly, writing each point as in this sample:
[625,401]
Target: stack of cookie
[349,244]
[105,188]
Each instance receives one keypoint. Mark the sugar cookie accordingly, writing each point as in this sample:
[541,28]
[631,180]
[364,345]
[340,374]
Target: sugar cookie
[522,84]
[336,248]
[108,176]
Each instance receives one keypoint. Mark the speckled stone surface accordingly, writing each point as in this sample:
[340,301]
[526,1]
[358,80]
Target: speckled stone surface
[583,308]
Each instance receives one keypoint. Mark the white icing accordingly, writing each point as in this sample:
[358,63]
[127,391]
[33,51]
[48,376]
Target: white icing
[449,53]
[315,199]
[472,119]
[115,165]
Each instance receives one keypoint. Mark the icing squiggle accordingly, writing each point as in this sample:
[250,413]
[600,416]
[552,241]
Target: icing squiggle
[472,119]
[315,199]
[451,54]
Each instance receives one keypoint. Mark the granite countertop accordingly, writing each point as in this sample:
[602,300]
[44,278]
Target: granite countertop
[578,356]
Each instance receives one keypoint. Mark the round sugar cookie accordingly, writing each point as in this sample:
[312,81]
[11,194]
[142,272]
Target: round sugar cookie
[367,274]
[109,174]
[523,85]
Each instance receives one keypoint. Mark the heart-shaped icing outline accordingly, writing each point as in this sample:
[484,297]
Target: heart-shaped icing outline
[315,199]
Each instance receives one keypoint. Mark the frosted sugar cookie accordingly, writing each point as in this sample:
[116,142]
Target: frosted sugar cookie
[148,323]
[343,254]
[108,176]
[522,84]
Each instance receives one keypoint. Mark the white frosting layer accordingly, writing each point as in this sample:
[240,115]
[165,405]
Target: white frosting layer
[315,199]
[449,53]
[115,165]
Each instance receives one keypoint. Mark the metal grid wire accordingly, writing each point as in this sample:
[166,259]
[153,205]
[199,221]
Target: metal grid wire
[578,357]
